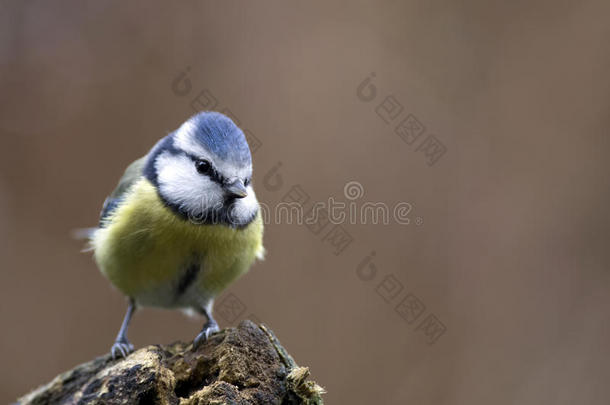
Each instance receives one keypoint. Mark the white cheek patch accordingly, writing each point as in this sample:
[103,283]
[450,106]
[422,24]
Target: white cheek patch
[181,184]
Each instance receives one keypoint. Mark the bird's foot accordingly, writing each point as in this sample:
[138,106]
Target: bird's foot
[206,332]
[121,348]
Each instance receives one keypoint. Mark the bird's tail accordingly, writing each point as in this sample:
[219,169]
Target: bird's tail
[85,234]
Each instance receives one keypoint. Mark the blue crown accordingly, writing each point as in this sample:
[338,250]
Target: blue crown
[218,134]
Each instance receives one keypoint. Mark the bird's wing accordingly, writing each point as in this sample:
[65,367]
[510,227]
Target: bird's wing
[131,175]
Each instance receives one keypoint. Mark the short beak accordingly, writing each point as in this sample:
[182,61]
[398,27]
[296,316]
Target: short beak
[237,189]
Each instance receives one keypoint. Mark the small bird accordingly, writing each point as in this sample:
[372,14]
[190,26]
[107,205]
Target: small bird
[182,224]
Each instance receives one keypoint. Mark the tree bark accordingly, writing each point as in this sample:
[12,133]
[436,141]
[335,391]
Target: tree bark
[243,365]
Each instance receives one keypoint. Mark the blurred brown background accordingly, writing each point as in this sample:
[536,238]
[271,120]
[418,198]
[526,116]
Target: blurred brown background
[512,253]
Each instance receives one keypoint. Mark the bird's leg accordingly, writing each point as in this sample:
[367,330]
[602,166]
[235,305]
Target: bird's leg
[211,326]
[121,346]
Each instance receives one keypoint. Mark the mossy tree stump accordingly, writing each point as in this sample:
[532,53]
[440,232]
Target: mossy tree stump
[243,365]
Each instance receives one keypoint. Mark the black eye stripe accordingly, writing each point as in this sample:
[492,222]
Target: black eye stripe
[211,171]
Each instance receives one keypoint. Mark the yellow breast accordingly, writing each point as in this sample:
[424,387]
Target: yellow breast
[144,248]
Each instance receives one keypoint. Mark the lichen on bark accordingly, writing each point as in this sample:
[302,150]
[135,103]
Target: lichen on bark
[243,365]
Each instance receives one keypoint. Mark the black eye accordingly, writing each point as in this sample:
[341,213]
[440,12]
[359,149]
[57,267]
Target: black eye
[203,166]
[246,182]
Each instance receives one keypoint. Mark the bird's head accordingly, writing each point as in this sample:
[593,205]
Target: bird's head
[203,171]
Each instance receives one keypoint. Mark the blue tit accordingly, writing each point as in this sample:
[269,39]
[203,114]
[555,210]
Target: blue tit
[182,224]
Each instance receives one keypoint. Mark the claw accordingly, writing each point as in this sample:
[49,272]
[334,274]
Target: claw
[208,329]
[121,346]
[121,349]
